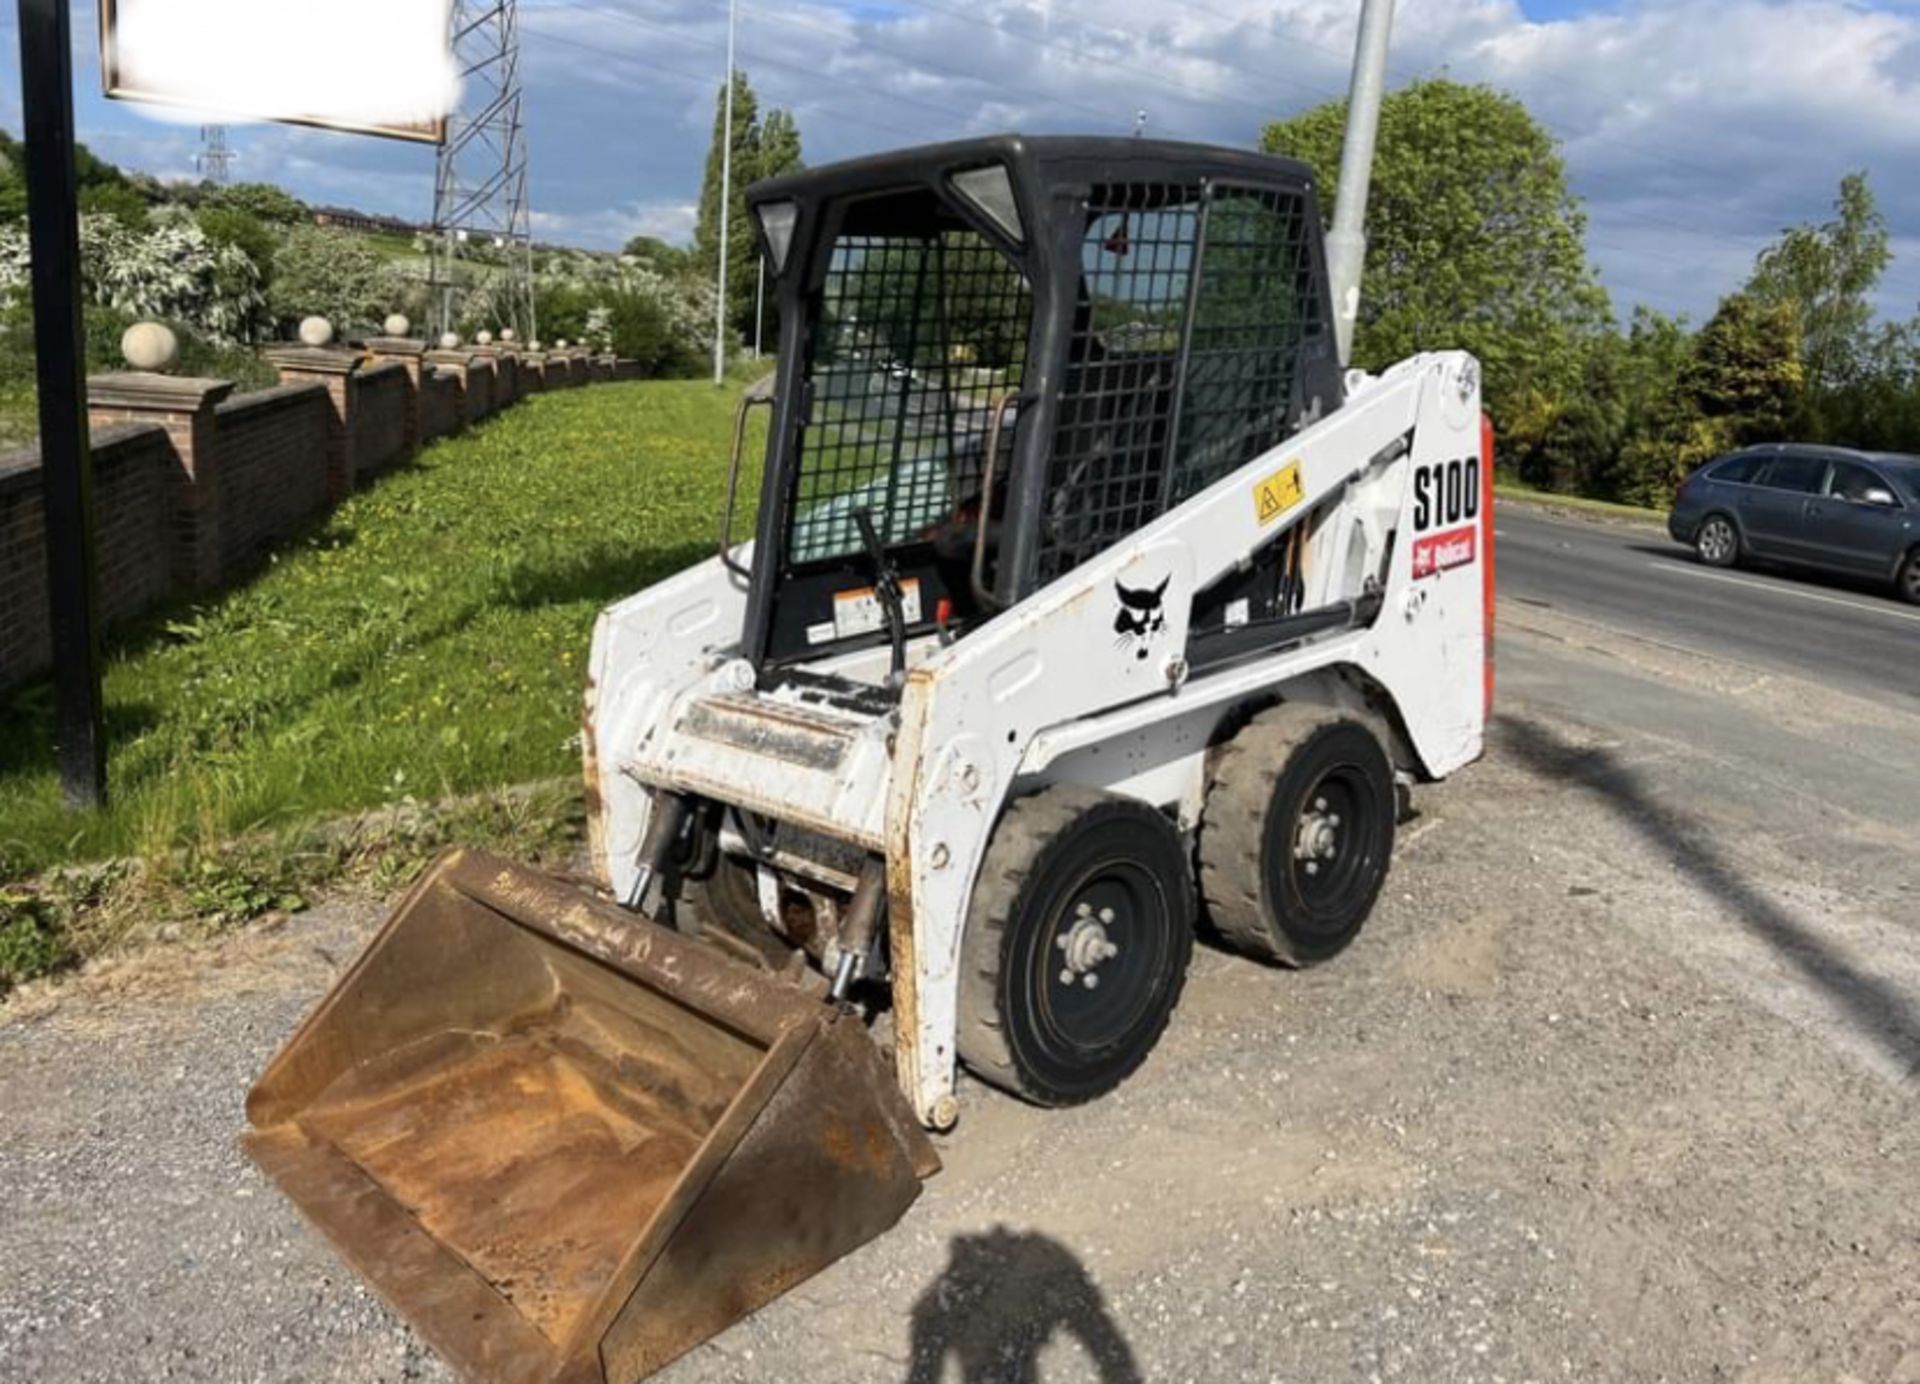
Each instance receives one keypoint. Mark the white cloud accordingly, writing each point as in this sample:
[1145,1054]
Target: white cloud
[615,226]
[1695,129]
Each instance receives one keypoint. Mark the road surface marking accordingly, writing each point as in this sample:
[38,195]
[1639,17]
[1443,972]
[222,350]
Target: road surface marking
[1786,590]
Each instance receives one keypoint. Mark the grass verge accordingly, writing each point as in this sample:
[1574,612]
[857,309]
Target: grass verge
[426,644]
[1507,488]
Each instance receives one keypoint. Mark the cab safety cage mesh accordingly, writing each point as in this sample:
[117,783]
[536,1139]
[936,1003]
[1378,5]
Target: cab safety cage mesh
[913,337]
[1195,304]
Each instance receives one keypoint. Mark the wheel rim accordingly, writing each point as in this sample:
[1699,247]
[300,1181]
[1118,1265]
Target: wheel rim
[1102,961]
[1911,579]
[1329,845]
[1716,540]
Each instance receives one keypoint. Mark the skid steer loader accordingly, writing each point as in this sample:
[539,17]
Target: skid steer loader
[1089,602]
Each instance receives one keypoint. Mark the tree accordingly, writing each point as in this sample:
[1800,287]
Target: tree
[103,187]
[1825,276]
[1474,240]
[779,150]
[271,204]
[760,150]
[119,201]
[1741,382]
[706,231]
[230,226]
[330,274]
[1880,408]
[651,250]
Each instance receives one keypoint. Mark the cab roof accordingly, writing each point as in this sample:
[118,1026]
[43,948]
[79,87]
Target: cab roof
[1037,159]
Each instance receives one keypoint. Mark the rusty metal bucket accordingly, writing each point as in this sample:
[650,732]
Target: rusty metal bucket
[567,1144]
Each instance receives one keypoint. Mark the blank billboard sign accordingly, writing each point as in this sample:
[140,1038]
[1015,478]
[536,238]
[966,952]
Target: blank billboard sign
[380,67]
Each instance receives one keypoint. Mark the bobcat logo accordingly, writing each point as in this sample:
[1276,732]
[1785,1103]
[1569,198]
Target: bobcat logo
[1141,617]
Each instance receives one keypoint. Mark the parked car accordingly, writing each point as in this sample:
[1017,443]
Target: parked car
[1855,513]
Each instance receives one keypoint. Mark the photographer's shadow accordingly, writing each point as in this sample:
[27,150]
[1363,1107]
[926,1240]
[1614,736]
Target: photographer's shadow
[1003,1296]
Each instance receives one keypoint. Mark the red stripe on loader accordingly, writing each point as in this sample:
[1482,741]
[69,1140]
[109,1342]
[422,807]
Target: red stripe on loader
[1486,559]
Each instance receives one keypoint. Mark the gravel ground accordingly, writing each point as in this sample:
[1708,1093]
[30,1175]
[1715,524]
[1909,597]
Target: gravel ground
[1618,1085]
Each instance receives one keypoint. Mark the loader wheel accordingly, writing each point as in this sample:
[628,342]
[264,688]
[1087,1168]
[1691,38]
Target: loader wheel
[729,898]
[1076,945]
[1297,833]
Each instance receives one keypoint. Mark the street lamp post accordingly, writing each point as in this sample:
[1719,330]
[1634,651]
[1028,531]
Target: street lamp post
[1347,241]
[726,206]
[66,465]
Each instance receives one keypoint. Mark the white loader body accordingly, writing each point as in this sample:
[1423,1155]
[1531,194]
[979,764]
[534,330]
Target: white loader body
[1389,494]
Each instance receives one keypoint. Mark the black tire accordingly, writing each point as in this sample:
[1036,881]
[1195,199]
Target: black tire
[1717,541]
[728,899]
[1296,771]
[1066,865]
[1907,583]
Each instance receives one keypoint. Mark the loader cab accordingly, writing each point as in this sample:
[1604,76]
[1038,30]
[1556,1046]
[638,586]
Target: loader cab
[1001,357]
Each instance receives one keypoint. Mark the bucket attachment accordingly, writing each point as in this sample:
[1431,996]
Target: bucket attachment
[567,1144]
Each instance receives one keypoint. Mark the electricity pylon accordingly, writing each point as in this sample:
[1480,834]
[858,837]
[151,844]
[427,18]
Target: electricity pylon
[482,223]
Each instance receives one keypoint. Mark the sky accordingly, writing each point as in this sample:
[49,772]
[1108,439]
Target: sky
[1694,130]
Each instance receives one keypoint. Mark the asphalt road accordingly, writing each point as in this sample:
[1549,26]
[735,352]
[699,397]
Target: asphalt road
[1846,634]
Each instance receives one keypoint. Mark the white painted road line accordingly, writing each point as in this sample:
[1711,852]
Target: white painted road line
[1783,589]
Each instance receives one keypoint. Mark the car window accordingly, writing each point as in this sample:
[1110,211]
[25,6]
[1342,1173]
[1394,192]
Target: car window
[1797,473]
[1852,481]
[1737,470]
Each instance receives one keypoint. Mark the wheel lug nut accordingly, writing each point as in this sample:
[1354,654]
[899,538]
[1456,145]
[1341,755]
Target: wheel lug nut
[1066,977]
[1093,982]
[1106,915]
[1313,867]
[1334,820]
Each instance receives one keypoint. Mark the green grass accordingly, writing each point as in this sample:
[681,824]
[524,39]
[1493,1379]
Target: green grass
[427,641]
[1512,488]
[391,245]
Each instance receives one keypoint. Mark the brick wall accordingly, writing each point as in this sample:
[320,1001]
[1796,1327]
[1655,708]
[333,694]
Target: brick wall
[439,405]
[273,468]
[380,418]
[132,466]
[258,474]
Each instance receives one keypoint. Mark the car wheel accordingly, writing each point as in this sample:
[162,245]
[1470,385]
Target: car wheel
[1717,542]
[1908,582]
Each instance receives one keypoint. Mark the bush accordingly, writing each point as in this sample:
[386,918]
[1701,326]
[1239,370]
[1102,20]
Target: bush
[640,330]
[120,202]
[172,272]
[331,274]
[246,232]
[261,200]
[32,942]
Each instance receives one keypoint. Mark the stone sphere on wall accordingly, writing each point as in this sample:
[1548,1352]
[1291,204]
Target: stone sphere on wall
[507,335]
[316,331]
[150,346]
[398,325]
[485,338]
[450,342]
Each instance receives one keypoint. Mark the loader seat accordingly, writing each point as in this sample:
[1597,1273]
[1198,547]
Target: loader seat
[1109,467]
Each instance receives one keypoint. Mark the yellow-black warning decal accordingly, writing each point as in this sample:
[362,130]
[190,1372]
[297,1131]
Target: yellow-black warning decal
[1278,493]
